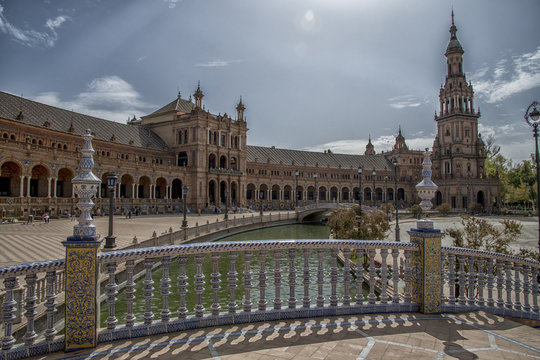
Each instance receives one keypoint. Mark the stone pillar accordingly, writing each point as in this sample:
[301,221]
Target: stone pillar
[82,267]
[28,186]
[49,180]
[426,264]
[21,194]
[55,185]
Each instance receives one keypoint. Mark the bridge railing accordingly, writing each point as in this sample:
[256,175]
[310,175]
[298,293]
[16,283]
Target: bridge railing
[219,283]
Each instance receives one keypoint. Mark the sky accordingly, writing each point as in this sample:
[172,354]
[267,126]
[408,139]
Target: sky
[313,74]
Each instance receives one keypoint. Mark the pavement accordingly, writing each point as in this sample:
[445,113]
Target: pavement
[22,243]
[474,335]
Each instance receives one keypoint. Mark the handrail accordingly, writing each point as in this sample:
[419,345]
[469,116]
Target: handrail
[487,254]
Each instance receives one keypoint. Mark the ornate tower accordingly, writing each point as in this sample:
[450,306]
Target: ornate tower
[400,145]
[198,95]
[240,109]
[457,151]
[370,149]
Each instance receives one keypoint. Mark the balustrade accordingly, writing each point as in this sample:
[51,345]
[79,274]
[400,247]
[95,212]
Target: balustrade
[310,270]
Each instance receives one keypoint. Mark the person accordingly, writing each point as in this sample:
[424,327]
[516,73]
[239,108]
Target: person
[129,214]
[30,219]
[46,218]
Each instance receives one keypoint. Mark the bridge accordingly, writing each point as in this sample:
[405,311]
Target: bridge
[314,212]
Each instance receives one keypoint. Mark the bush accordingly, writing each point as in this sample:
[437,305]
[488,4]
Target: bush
[475,208]
[355,224]
[416,210]
[444,209]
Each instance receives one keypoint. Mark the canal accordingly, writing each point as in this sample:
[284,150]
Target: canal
[299,231]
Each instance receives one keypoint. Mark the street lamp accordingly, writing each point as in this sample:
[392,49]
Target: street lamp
[373,193]
[111,185]
[316,191]
[296,173]
[185,190]
[226,217]
[531,116]
[395,200]
[360,187]
[386,194]
[261,196]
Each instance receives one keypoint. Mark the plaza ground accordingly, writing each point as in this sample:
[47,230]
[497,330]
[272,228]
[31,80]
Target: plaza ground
[22,243]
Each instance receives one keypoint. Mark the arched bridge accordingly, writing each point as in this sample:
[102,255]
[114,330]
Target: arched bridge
[314,212]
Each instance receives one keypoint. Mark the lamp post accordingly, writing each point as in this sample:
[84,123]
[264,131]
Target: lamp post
[395,200]
[111,185]
[261,195]
[296,173]
[531,116]
[373,193]
[385,194]
[316,191]
[360,187]
[185,190]
[226,217]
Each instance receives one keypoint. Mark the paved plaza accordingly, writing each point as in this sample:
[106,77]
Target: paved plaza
[389,336]
[22,243]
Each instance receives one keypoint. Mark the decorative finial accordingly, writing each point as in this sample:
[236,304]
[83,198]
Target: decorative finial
[426,188]
[86,185]
[452,16]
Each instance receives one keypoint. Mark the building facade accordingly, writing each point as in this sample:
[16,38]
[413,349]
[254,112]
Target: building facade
[183,144]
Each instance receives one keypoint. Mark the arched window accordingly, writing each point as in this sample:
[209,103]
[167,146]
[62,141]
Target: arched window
[182,159]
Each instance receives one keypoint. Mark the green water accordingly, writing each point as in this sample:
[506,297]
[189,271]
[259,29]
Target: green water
[280,232]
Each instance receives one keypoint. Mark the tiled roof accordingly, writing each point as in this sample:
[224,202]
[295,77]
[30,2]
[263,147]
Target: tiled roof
[178,104]
[37,114]
[299,157]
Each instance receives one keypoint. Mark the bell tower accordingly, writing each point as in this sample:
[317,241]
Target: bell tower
[458,152]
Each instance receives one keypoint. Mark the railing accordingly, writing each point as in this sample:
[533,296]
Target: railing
[498,283]
[306,278]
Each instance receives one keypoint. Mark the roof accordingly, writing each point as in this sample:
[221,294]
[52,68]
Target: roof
[310,158]
[36,114]
[177,104]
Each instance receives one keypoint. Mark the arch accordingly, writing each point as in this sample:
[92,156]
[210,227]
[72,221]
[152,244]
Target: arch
[401,194]
[379,194]
[212,161]
[334,196]
[480,198]
[356,194]
[182,159]
[234,163]
[5,135]
[367,194]
[275,192]
[223,162]
[322,193]
[311,193]
[143,187]
[212,192]
[438,198]
[161,188]
[222,190]
[126,186]
[176,189]
[10,179]
[39,181]
[345,194]
[287,193]
[250,192]
[64,187]
[263,192]
[390,194]
[300,192]
[234,193]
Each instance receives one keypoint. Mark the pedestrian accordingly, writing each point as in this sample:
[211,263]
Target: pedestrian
[46,218]
[30,219]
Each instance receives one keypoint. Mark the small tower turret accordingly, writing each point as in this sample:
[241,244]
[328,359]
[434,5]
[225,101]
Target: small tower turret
[370,149]
[240,109]
[198,95]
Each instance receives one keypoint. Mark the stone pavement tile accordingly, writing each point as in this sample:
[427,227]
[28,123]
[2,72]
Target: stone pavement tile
[391,351]
[508,345]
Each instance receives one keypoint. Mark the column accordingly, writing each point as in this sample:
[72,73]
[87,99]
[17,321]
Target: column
[49,187]
[117,190]
[21,191]
[426,264]
[98,192]
[28,186]
[133,191]
[55,185]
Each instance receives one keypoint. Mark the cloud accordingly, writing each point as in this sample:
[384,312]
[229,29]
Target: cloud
[108,97]
[142,58]
[508,78]
[400,102]
[382,143]
[29,37]
[172,3]
[217,63]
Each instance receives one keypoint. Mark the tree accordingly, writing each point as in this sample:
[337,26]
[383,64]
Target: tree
[475,208]
[357,224]
[478,234]
[444,209]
